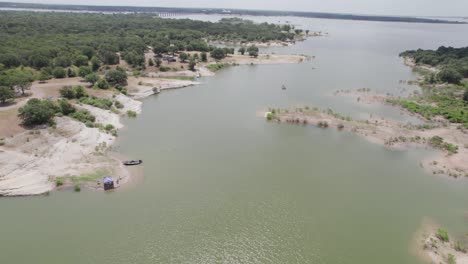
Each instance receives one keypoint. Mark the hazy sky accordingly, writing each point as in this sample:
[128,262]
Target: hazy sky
[379,7]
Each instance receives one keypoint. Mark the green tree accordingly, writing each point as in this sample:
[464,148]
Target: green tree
[37,112]
[71,73]
[192,65]
[62,61]
[19,77]
[84,70]
[10,60]
[253,51]
[183,57]
[80,60]
[88,52]
[450,75]
[465,96]
[242,50]
[158,62]
[172,49]
[150,62]
[91,78]
[59,73]
[6,94]
[95,64]
[114,77]
[160,48]
[218,54]
[204,57]
[44,75]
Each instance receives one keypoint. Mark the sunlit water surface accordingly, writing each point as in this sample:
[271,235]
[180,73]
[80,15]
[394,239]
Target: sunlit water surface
[221,185]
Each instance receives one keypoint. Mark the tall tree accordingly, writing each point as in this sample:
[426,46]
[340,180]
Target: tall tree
[6,94]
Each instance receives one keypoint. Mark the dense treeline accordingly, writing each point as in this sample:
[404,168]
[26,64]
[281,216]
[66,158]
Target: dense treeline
[94,8]
[453,63]
[449,101]
[42,40]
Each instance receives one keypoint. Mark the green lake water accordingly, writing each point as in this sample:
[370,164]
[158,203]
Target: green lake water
[221,185]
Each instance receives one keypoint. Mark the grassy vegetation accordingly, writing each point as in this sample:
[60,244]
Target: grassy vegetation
[131,113]
[59,182]
[90,177]
[438,142]
[447,102]
[216,67]
[182,78]
[442,235]
[77,188]
[451,259]
[84,116]
[460,246]
[102,103]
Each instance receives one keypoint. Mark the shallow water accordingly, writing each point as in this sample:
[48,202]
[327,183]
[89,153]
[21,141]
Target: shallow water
[221,185]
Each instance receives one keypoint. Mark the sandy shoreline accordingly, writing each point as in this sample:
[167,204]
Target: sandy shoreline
[431,248]
[391,134]
[32,160]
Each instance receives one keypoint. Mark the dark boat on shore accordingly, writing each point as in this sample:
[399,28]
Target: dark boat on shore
[132,162]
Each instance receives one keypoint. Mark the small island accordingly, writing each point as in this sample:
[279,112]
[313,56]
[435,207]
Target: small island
[442,106]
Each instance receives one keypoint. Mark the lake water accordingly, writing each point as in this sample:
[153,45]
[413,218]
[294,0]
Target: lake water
[221,185]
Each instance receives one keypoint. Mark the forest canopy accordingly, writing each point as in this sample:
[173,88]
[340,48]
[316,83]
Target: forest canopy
[453,62]
[50,40]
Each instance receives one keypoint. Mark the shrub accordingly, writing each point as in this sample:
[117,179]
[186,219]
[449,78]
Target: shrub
[77,188]
[102,103]
[118,104]
[114,77]
[164,68]
[6,94]
[109,127]
[102,84]
[451,259]
[459,246]
[83,116]
[204,57]
[323,124]
[59,182]
[71,73]
[215,67]
[442,235]
[37,112]
[59,72]
[131,113]
[80,91]
[269,116]
[91,78]
[449,75]
[67,92]
[66,108]
[84,70]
